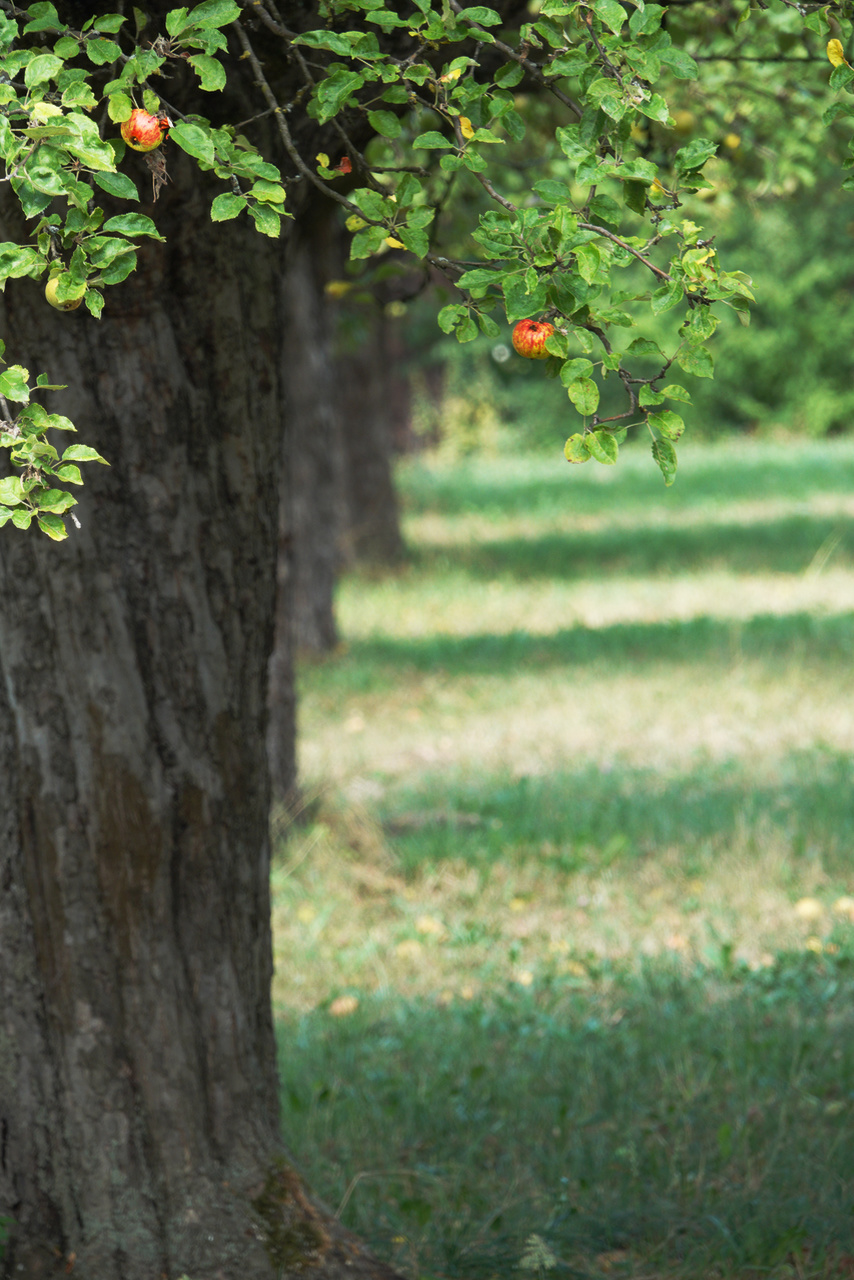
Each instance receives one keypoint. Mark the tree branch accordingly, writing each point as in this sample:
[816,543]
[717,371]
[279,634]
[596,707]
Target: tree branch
[609,235]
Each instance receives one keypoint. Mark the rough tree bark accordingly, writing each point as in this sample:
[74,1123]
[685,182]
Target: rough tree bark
[138,1103]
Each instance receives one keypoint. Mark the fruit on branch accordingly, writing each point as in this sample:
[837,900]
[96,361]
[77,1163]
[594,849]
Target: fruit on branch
[529,338]
[50,290]
[143,131]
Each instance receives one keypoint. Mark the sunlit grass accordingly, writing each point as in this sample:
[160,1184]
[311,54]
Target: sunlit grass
[565,939]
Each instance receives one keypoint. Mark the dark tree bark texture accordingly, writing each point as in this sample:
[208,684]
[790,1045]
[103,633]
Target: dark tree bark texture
[138,1100]
[137,1057]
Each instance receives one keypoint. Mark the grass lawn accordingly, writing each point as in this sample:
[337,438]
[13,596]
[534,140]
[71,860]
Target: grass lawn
[565,944]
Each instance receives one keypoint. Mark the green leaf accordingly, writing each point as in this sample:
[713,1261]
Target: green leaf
[133,224]
[53,526]
[267,192]
[227,206]
[119,107]
[117,184]
[19,260]
[213,13]
[43,17]
[666,297]
[839,77]
[449,316]
[334,91]
[700,325]
[118,270]
[210,71]
[466,330]
[430,139]
[52,499]
[673,391]
[14,383]
[478,281]
[645,20]
[42,68]
[66,47]
[480,14]
[518,302]
[665,456]
[416,240]
[552,192]
[680,63]
[22,517]
[266,220]
[695,155]
[343,43]
[176,21]
[668,423]
[697,361]
[11,492]
[385,123]
[573,369]
[69,473]
[611,13]
[603,447]
[588,259]
[575,450]
[584,394]
[194,140]
[82,453]
[102,52]
[111,22]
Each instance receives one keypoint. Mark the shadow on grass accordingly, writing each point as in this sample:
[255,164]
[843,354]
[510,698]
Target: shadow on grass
[546,485]
[382,662]
[679,1120]
[785,545]
[590,819]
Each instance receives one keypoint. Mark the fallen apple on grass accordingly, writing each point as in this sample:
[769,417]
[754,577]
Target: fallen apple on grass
[143,131]
[529,338]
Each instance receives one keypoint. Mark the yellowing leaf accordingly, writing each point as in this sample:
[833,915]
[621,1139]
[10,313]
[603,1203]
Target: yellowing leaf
[337,288]
[466,127]
[394,244]
[835,52]
[450,76]
[322,159]
[355,223]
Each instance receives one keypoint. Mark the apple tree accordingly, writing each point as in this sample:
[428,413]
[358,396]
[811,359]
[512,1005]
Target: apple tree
[523,156]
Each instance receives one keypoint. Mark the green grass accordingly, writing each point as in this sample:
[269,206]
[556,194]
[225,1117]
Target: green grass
[565,941]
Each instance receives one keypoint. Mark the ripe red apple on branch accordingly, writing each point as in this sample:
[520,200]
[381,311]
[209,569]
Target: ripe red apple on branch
[143,131]
[529,338]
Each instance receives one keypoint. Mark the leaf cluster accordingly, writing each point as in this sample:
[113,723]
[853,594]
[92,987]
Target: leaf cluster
[451,99]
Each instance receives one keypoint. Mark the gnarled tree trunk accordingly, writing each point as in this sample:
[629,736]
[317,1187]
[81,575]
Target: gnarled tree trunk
[138,1100]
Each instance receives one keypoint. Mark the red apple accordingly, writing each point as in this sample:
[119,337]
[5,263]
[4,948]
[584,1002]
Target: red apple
[144,132]
[529,338]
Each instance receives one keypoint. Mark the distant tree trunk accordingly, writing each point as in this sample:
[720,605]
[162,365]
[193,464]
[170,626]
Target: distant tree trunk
[310,510]
[314,452]
[372,399]
[138,1098]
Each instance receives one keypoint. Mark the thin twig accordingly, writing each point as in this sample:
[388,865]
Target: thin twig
[285,133]
[524,62]
[609,235]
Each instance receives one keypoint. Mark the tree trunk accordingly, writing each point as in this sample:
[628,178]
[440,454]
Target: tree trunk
[373,397]
[138,1096]
[313,444]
